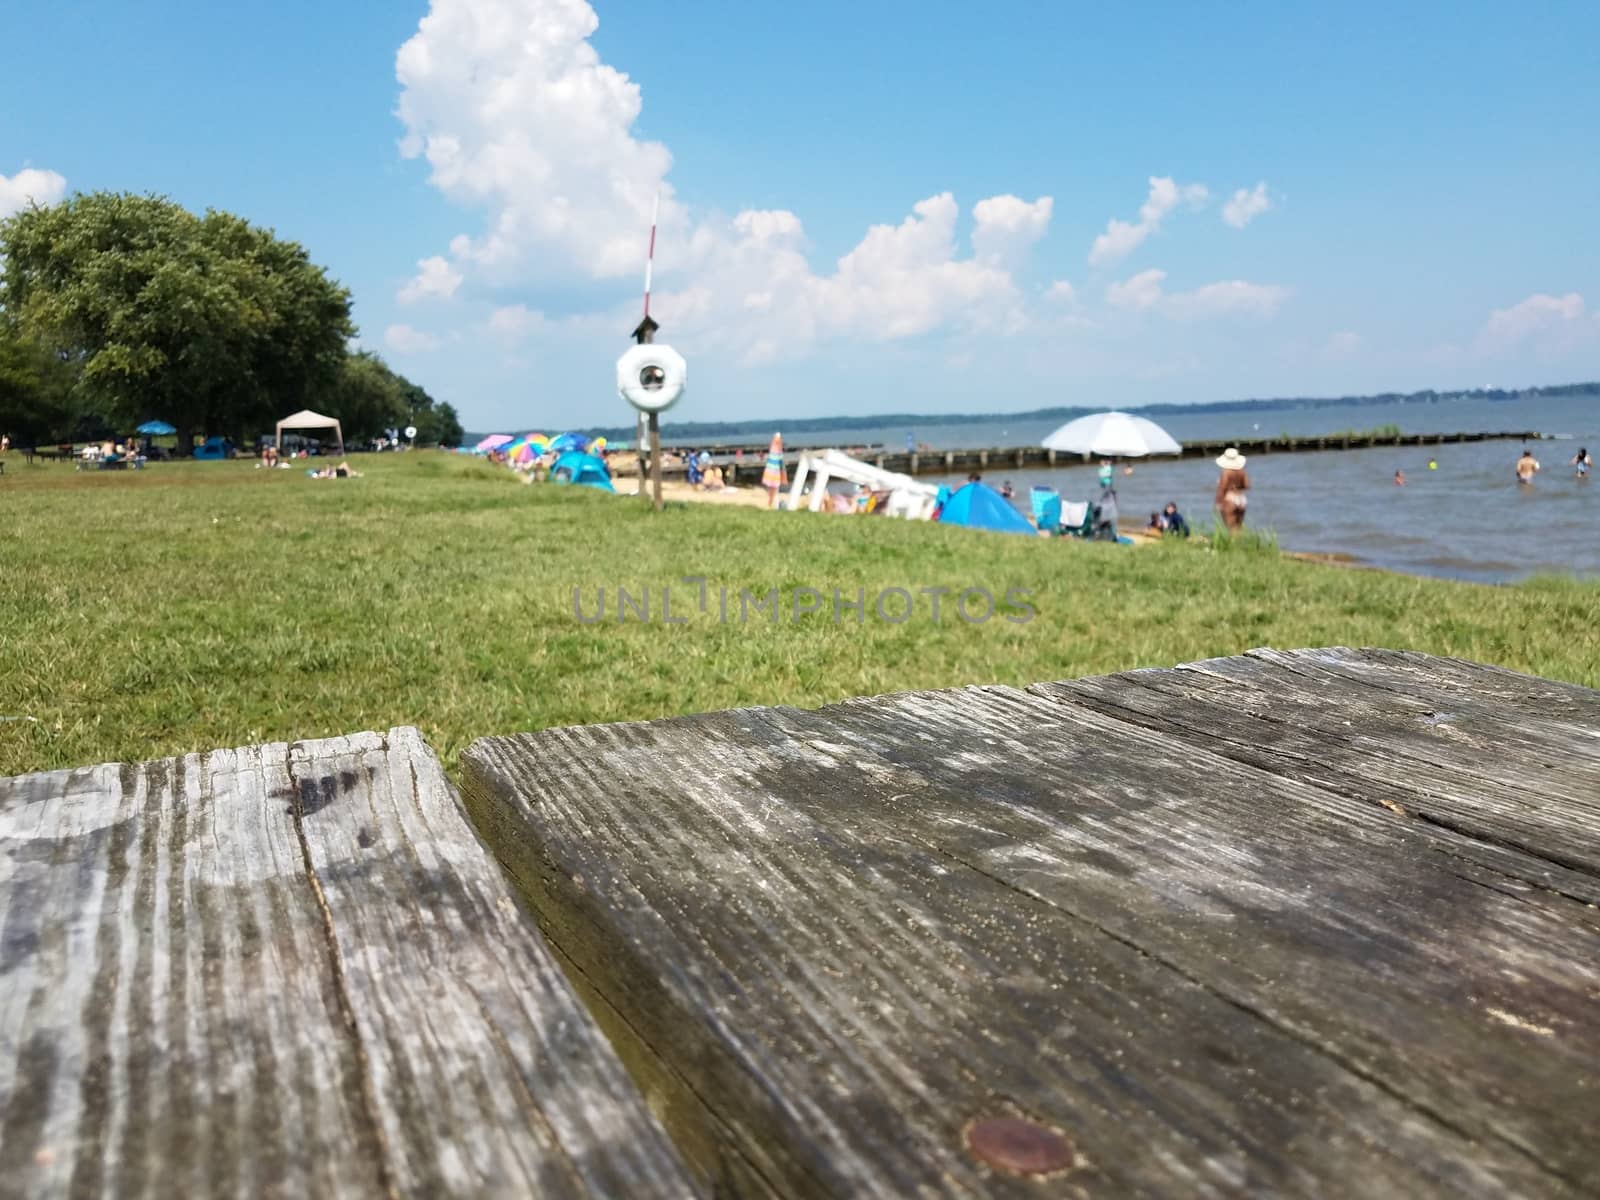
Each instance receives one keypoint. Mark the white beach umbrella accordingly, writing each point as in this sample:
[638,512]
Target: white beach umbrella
[1113,435]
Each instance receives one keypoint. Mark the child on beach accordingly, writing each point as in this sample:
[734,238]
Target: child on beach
[775,474]
[1172,520]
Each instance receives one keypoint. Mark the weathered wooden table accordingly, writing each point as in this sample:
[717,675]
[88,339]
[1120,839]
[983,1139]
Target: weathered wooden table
[1308,924]
[290,970]
[1317,924]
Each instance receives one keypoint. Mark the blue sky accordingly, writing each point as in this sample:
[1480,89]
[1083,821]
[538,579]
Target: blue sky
[871,207]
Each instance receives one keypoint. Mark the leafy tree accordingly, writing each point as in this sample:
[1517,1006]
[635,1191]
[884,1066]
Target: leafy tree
[210,323]
[366,397]
[436,422]
[36,400]
[439,426]
[369,397]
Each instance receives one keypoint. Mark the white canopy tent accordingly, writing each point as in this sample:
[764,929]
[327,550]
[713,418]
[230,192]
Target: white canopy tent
[907,497]
[306,419]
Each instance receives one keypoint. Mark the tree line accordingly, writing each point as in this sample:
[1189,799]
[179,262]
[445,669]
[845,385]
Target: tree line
[117,309]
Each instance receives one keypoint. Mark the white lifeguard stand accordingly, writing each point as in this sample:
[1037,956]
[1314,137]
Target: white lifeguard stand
[907,497]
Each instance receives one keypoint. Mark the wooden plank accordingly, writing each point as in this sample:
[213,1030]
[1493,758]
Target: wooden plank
[847,935]
[1509,763]
[289,969]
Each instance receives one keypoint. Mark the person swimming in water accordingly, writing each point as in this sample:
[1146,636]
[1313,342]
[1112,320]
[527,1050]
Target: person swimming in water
[1583,462]
[1527,466]
[1399,479]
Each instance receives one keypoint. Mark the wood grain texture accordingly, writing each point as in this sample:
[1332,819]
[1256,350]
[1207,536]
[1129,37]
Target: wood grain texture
[1504,768]
[289,970]
[848,934]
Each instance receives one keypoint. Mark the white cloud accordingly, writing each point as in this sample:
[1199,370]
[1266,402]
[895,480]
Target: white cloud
[1141,292]
[904,279]
[30,186]
[516,321]
[1121,238]
[1145,291]
[899,281]
[1245,205]
[1547,322]
[1006,228]
[515,114]
[1061,292]
[435,279]
[1230,296]
[403,339]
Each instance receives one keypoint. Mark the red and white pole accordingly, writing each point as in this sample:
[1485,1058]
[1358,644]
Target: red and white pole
[650,258]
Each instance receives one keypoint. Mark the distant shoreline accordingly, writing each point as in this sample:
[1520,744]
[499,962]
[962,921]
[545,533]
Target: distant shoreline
[763,427]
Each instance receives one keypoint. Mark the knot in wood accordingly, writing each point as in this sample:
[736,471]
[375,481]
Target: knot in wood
[1019,1145]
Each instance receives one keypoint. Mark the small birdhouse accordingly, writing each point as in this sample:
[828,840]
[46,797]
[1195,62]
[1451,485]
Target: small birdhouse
[646,332]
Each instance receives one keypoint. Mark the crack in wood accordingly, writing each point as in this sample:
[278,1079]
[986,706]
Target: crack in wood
[386,1181]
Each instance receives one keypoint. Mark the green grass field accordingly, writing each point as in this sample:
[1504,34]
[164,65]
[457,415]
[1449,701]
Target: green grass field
[193,606]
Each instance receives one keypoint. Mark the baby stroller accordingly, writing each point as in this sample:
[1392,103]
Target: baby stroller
[1104,528]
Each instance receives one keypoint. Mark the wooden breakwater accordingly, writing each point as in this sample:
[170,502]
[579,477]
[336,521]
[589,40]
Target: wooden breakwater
[744,464]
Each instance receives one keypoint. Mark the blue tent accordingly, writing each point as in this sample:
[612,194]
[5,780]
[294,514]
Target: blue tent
[574,467]
[214,447]
[981,507]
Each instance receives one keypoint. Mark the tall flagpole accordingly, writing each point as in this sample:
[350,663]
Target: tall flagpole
[650,257]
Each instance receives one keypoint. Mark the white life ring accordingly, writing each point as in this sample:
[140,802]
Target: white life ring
[652,378]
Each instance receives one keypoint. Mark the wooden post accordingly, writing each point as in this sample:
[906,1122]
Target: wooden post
[638,441]
[655,458]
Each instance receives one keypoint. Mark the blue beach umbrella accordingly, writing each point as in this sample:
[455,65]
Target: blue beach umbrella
[156,429]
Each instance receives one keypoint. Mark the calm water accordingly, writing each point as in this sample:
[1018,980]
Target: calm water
[1467,520]
[1574,415]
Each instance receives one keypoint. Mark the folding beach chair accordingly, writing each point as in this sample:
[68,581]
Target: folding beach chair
[1077,519]
[1046,503]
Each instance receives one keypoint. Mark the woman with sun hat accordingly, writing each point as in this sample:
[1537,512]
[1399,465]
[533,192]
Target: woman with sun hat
[1232,488]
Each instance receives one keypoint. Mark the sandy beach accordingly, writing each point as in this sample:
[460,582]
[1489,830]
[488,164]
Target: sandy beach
[755,497]
[677,489]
